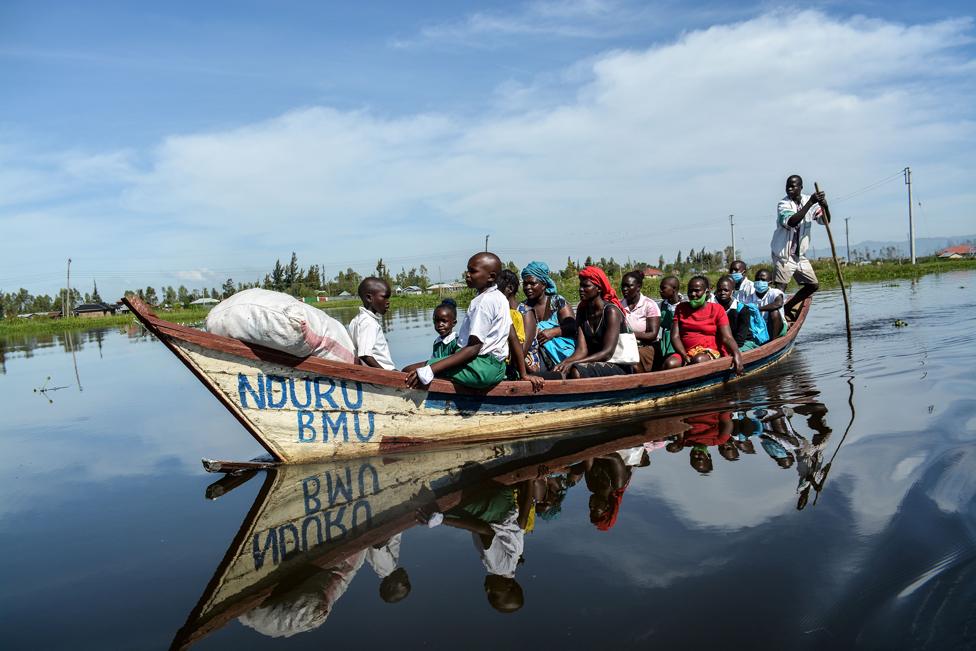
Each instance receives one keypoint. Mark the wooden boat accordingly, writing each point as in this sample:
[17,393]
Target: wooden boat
[310,409]
[308,519]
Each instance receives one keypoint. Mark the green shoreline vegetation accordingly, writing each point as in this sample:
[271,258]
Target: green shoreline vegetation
[871,272]
[826,274]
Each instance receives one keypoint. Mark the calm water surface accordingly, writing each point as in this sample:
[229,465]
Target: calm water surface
[829,502]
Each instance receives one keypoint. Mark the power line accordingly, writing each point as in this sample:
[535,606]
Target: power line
[851,195]
[869,187]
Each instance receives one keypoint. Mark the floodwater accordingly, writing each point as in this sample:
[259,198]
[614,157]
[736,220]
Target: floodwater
[828,503]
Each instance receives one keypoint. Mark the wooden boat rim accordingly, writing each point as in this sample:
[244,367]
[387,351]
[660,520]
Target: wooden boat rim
[167,330]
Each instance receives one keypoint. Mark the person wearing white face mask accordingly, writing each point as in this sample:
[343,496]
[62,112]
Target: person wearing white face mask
[743,286]
[769,300]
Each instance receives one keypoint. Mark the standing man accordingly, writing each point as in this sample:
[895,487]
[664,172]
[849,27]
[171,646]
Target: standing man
[794,215]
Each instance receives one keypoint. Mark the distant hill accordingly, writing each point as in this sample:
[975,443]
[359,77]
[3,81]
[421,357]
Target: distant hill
[923,245]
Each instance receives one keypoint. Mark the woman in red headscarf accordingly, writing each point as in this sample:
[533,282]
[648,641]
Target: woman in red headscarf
[600,320]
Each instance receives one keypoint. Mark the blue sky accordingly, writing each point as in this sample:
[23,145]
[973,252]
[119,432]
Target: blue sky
[191,142]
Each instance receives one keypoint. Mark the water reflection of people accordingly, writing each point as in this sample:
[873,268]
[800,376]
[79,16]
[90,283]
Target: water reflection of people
[786,446]
[304,604]
[549,503]
[607,478]
[778,438]
[810,455]
[728,450]
[744,427]
[384,558]
[706,430]
[496,519]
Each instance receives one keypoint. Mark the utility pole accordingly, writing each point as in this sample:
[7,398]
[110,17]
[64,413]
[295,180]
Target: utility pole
[732,226]
[65,308]
[847,236]
[486,243]
[911,220]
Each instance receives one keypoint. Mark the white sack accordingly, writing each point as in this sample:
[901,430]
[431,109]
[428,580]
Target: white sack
[274,320]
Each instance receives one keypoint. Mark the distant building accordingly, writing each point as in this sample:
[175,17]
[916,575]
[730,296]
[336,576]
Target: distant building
[40,315]
[411,290]
[344,294]
[321,296]
[957,252]
[652,272]
[91,310]
[446,287]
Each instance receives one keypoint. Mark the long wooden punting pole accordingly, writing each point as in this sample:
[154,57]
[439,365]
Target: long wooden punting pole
[840,275]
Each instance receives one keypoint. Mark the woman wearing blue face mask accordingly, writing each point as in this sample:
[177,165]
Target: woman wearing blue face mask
[770,301]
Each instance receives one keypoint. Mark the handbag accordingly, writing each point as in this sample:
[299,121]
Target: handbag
[626,350]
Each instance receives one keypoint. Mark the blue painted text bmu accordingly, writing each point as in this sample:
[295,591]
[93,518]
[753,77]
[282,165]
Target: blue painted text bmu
[322,406]
[333,508]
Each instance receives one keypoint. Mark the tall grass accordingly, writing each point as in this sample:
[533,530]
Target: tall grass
[888,270]
[13,327]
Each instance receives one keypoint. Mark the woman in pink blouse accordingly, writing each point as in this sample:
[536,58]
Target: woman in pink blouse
[644,318]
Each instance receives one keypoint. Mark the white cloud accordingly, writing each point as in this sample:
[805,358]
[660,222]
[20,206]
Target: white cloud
[29,176]
[588,19]
[196,275]
[650,153]
[117,166]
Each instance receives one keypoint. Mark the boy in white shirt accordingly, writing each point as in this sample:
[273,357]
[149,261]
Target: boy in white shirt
[743,286]
[483,337]
[366,329]
[769,300]
[795,214]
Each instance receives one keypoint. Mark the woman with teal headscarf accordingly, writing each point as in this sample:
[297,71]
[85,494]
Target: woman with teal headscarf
[550,325]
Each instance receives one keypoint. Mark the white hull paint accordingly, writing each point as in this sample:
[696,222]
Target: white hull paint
[303,417]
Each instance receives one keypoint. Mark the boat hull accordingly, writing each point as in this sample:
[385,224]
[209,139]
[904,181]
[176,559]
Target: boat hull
[309,410]
[304,417]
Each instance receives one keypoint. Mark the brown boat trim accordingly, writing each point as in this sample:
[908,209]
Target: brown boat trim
[166,331]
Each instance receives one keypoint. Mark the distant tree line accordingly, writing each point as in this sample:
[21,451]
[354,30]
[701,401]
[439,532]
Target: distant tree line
[299,281]
[23,302]
[888,253]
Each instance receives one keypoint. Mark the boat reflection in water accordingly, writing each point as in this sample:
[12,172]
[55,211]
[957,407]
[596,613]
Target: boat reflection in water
[314,527]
